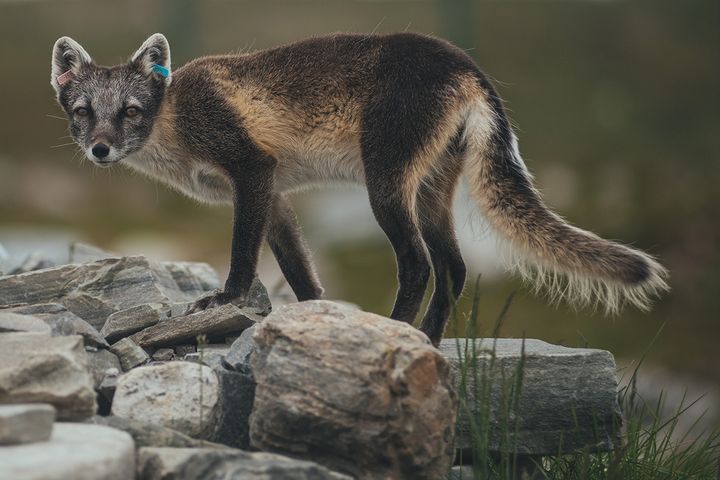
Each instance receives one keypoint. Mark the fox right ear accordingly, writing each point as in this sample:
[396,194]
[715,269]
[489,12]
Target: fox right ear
[67,58]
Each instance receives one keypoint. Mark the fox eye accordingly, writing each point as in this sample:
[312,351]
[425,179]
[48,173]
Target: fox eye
[132,111]
[81,112]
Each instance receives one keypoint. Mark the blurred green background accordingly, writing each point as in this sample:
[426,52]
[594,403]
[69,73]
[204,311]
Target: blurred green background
[615,103]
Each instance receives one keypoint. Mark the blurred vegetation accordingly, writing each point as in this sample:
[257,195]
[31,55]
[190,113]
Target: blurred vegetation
[616,105]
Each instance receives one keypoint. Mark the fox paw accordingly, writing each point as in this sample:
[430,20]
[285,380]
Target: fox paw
[212,299]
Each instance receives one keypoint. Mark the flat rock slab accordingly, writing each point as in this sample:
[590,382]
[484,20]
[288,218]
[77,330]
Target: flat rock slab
[75,451]
[356,392]
[126,322]
[193,464]
[62,322]
[567,398]
[37,368]
[97,289]
[212,323]
[14,322]
[25,423]
[183,396]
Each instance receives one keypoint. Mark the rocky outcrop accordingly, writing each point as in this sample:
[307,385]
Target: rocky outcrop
[74,451]
[35,367]
[356,392]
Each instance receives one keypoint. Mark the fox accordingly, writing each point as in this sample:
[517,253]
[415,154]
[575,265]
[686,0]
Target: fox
[403,114]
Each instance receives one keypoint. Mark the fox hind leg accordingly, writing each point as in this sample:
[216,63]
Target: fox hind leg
[391,192]
[434,210]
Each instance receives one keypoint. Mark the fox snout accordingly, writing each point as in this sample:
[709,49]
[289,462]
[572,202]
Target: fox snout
[100,150]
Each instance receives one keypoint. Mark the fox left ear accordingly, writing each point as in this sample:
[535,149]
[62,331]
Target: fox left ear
[153,57]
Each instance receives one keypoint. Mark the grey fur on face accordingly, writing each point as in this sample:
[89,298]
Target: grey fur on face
[111,110]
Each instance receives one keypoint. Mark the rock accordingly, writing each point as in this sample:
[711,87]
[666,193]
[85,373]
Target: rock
[62,322]
[25,423]
[163,354]
[237,393]
[211,355]
[37,368]
[192,464]
[212,323]
[238,358]
[183,350]
[107,388]
[152,435]
[75,451]
[130,354]
[13,322]
[83,253]
[567,401]
[193,276]
[95,290]
[34,261]
[180,395]
[99,362]
[126,322]
[461,472]
[356,392]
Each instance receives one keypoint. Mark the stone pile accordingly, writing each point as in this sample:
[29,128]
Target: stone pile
[322,389]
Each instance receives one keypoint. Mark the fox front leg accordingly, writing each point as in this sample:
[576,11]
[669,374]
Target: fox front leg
[252,201]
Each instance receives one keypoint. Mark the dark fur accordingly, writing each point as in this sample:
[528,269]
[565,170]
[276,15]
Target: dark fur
[392,97]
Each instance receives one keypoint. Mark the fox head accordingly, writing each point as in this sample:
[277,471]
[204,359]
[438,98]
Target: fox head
[111,110]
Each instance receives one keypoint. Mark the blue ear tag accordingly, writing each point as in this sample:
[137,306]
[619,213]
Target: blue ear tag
[160,70]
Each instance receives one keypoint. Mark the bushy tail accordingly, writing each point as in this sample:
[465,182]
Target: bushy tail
[568,262]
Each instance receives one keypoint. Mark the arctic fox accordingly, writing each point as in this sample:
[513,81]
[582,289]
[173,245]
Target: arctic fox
[404,114]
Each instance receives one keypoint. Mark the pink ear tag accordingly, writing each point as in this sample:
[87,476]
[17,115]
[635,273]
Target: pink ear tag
[65,77]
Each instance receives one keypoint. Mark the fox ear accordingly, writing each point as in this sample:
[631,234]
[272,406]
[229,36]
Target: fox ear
[68,57]
[153,57]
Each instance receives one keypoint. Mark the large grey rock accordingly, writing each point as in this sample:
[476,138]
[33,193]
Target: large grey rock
[97,289]
[25,423]
[126,322]
[152,435]
[192,464]
[129,353]
[37,368]
[212,323]
[183,396]
[62,322]
[567,398]
[74,451]
[356,392]
[14,322]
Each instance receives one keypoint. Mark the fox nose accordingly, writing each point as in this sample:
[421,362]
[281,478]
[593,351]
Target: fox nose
[100,150]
